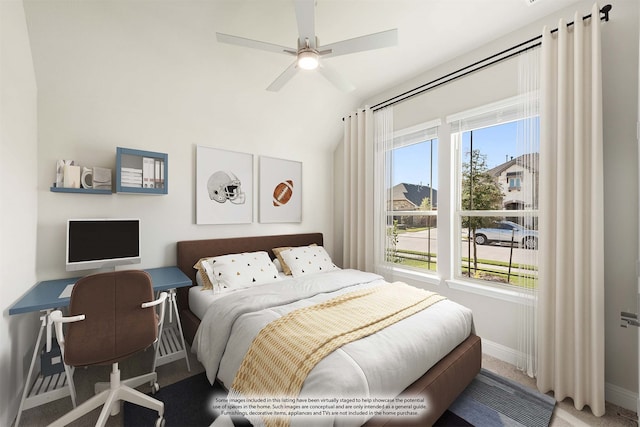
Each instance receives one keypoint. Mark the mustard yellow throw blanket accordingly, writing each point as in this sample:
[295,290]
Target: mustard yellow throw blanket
[284,352]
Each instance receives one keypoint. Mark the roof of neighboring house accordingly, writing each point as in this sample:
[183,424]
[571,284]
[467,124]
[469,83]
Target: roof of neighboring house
[529,161]
[415,193]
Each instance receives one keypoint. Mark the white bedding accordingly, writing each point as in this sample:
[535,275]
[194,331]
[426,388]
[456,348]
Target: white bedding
[200,299]
[380,365]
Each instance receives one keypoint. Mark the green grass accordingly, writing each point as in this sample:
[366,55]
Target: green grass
[418,264]
[412,229]
[529,281]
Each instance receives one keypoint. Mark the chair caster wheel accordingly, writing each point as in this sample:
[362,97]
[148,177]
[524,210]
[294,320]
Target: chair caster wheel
[160,422]
[155,387]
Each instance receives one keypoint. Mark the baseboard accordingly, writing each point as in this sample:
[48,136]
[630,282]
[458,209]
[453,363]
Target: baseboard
[612,393]
[500,352]
[622,397]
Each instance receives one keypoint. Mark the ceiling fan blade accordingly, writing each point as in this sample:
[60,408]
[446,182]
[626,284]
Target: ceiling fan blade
[254,44]
[336,79]
[358,44]
[284,77]
[305,15]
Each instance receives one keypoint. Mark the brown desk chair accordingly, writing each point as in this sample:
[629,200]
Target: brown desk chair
[111,317]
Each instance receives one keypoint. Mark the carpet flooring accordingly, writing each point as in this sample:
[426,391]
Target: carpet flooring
[490,400]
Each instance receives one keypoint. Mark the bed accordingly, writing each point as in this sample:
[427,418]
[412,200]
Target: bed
[440,384]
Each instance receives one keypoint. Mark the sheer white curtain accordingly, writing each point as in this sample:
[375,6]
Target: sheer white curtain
[366,138]
[383,183]
[527,150]
[571,295]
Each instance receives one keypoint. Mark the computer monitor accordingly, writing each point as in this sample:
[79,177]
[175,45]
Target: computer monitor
[100,243]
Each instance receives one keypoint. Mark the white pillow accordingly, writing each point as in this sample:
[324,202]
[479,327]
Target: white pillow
[204,277]
[308,260]
[243,270]
[278,265]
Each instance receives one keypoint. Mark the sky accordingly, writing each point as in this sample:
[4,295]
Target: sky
[411,164]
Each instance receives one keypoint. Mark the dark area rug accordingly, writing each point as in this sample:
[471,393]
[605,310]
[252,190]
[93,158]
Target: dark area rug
[490,400]
[186,404]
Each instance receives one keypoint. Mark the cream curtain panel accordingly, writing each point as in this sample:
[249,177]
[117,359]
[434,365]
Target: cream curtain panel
[571,288]
[368,136]
[358,191]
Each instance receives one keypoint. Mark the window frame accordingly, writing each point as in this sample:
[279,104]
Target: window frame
[497,113]
[423,132]
[448,249]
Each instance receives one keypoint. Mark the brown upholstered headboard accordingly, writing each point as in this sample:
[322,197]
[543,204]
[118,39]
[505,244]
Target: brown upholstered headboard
[190,251]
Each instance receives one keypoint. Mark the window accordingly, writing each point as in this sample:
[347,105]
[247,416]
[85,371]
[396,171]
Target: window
[514,180]
[495,217]
[411,198]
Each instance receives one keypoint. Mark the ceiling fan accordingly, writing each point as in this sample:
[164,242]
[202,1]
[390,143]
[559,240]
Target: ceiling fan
[308,53]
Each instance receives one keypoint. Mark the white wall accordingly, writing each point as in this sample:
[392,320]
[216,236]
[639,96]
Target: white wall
[18,201]
[495,319]
[132,74]
[151,77]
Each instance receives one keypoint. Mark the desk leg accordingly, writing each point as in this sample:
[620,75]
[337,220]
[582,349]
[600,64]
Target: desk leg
[174,305]
[170,344]
[40,390]
[27,384]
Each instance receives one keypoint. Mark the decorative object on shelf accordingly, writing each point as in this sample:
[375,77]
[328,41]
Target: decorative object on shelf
[224,186]
[143,172]
[71,176]
[60,164]
[131,177]
[86,178]
[83,180]
[148,172]
[101,178]
[280,198]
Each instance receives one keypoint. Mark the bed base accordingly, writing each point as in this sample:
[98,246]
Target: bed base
[440,385]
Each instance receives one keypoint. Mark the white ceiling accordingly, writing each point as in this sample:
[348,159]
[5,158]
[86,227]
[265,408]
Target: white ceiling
[430,32]
[76,44]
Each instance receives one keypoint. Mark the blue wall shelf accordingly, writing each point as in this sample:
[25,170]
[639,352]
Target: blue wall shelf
[79,190]
[141,172]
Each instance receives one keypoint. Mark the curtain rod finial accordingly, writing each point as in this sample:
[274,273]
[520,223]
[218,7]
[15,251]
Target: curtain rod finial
[605,11]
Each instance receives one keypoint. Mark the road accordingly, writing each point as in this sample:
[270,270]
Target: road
[418,241]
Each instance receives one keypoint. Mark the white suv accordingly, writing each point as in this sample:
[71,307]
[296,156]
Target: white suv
[506,232]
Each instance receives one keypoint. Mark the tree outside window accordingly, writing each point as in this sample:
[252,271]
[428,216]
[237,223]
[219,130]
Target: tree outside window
[479,192]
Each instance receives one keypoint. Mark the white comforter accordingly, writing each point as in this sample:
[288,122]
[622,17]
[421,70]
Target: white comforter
[380,365]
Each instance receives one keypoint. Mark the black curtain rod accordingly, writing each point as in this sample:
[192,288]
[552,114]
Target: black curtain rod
[493,59]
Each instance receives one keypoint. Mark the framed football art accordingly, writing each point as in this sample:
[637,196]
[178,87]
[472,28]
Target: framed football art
[224,186]
[280,198]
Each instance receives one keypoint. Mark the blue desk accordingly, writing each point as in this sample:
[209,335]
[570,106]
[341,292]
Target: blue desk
[45,294]
[44,297]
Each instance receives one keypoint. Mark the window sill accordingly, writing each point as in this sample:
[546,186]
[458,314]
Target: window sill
[519,297]
[408,274]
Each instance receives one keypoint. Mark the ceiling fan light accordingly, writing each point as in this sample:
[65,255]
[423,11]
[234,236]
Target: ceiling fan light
[308,60]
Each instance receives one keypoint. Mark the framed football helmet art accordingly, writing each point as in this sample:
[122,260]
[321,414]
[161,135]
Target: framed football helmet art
[224,186]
